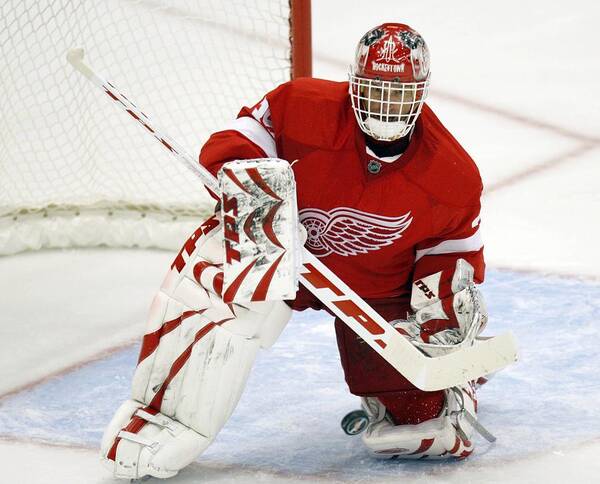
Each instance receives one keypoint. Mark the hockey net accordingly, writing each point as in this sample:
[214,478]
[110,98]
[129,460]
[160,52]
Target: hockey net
[74,171]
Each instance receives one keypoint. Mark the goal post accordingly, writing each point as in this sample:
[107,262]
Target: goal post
[76,172]
[301,38]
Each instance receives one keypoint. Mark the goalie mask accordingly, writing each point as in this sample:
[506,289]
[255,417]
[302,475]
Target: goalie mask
[389,81]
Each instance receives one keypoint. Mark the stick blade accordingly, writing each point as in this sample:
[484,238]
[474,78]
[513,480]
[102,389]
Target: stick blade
[467,364]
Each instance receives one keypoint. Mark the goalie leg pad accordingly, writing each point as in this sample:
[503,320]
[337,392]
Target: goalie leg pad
[443,437]
[149,443]
[199,399]
[193,366]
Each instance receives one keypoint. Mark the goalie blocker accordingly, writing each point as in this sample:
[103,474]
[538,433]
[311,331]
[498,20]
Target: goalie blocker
[260,227]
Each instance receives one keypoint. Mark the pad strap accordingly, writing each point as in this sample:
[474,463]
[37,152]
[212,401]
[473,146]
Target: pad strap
[159,419]
[130,436]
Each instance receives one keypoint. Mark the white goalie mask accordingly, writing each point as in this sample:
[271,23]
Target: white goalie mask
[389,81]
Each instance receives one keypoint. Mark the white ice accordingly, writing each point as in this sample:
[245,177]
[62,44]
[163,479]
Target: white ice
[516,82]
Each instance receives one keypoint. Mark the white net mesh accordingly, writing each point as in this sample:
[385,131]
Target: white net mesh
[70,158]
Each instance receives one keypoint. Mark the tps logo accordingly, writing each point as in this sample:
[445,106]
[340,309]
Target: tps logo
[425,289]
[230,229]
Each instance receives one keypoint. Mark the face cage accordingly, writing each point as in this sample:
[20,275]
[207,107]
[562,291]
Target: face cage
[383,101]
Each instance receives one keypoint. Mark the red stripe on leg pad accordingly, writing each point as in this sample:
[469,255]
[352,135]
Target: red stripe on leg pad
[248,225]
[231,291]
[425,445]
[454,449]
[151,340]
[199,268]
[134,426]
[137,423]
[181,361]
[218,283]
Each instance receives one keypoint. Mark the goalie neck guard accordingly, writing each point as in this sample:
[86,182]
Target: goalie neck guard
[389,81]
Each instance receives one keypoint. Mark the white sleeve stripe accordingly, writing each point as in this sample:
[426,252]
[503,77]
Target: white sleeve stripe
[470,244]
[253,130]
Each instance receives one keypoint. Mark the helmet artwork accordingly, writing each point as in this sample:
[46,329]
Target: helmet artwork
[389,81]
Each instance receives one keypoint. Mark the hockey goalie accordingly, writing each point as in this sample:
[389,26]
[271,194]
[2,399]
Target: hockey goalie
[384,196]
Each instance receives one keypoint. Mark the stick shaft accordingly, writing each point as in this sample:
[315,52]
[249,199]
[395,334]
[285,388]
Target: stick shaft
[75,57]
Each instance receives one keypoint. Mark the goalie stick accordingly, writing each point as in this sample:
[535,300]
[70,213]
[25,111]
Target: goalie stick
[465,364]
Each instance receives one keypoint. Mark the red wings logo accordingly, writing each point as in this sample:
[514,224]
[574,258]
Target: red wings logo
[346,231]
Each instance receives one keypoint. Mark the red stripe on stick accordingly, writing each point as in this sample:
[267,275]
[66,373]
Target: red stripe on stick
[381,343]
[135,116]
[167,145]
[111,95]
[319,280]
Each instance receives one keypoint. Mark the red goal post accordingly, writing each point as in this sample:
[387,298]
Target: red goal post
[301,38]
[76,172]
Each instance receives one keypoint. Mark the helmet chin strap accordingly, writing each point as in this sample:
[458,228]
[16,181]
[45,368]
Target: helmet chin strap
[390,131]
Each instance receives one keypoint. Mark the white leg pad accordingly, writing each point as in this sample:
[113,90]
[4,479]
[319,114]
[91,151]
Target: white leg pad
[194,362]
[446,436]
[159,449]
[199,400]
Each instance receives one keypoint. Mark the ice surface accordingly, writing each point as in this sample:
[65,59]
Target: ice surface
[516,82]
[288,419]
[69,306]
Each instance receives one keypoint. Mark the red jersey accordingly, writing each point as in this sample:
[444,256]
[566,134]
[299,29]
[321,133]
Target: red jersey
[376,222]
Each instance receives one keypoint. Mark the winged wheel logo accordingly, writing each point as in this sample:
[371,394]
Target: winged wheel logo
[346,231]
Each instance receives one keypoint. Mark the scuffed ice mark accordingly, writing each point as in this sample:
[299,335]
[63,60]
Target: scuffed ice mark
[288,418]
